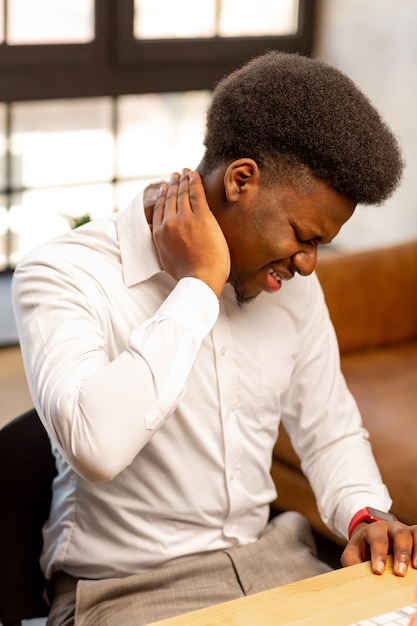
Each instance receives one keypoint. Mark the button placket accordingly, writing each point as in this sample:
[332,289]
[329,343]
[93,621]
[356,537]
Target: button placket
[225,367]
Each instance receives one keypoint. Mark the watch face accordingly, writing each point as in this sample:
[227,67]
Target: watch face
[381,514]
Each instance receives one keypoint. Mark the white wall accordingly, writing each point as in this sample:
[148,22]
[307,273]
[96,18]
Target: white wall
[375,43]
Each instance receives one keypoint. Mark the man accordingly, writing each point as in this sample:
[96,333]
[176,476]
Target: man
[164,345]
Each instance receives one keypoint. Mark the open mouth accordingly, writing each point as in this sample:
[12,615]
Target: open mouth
[275,275]
[274,280]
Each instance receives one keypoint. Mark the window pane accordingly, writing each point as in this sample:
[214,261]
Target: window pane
[62,142]
[159,133]
[226,18]
[158,19]
[50,21]
[263,17]
[2,146]
[36,216]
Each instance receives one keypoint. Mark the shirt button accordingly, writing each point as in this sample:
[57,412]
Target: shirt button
[223,351]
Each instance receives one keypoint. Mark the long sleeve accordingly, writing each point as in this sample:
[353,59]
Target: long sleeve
[325,426]
[99,406]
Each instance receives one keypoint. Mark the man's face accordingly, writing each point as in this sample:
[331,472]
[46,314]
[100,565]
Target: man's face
[274,233]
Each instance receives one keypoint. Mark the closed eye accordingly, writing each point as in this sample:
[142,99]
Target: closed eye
[312,240]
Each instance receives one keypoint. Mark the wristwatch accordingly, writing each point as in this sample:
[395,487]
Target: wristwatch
[369,515]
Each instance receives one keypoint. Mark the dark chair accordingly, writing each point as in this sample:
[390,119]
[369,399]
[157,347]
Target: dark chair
[27,468]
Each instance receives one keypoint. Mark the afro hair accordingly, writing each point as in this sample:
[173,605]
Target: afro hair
[285,108]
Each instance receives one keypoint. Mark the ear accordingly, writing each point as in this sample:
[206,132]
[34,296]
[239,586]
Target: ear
[240,177]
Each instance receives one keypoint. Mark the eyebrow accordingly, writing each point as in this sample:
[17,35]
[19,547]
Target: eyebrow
[317,237]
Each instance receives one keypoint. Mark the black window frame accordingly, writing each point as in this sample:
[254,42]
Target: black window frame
[115,63]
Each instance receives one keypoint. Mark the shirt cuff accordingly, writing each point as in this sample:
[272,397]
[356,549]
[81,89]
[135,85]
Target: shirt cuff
[194,305]
[378,499]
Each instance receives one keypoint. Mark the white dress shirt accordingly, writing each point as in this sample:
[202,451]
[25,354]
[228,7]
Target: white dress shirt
[163,403]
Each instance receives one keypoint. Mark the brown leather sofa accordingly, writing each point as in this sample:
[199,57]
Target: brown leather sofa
[372,299]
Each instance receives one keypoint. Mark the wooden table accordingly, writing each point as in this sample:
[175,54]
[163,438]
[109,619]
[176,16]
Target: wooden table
[334,599]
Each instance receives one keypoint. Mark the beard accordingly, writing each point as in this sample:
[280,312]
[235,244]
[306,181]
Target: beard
[240,295]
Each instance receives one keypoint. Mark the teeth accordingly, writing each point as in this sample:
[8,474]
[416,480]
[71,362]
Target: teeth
[274,274]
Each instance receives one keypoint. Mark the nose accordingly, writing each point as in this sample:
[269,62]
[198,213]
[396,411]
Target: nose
[305,261]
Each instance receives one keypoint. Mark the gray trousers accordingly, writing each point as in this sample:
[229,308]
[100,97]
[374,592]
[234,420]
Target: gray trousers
[285,552]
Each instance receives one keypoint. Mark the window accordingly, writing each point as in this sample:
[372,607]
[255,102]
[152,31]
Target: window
[218,37]
[106,48]
[39,37]
[71,160]
[157,19]
[61,168]
[49,21]
[86,84]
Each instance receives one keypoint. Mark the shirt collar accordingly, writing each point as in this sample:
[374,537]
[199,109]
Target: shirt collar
[139,257]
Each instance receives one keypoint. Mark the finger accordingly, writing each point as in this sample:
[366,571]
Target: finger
[352,555]
[183,192]
[402,539]
[357,549]
[196,193]
[381,536]
[159,206]
[414,555]
[171,200]
[166,201]
[377,537]
[372,543]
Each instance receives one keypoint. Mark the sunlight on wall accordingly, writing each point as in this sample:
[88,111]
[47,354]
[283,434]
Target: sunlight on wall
[374,42]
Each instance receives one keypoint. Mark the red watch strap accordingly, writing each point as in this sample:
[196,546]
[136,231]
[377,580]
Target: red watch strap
[369,515]
[357,519]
